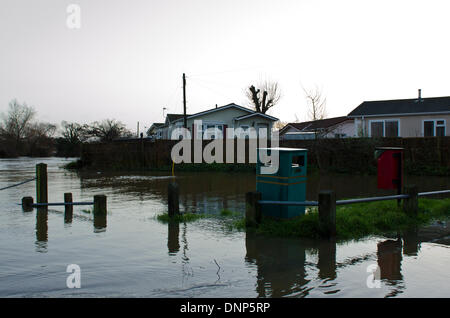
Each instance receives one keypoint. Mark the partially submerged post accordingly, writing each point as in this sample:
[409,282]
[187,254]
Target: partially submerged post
[27,204]
[252,208]
[327,213]
[68,208]
[100,211]
[99,204]
[411,204]
[173,199]
[41,183]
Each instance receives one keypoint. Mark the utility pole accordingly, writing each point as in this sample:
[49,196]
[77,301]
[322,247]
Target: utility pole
[184,100]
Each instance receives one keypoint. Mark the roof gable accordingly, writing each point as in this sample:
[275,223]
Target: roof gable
[170,118]
[257,114]
[221,108]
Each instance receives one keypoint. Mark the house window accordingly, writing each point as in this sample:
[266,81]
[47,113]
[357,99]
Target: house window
[384,128]
[376,128]
[263,126]
[434,128]
[212,131]
[391,128]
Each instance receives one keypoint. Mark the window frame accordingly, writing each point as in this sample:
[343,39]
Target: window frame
[435,126]
[384,126]
[216,130]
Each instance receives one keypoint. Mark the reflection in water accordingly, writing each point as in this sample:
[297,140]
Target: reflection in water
[280,263]
[173,242]
[41,229]
[389,255]
[390,259]
[411,242]
[99,222]
[68,214]
[327,259]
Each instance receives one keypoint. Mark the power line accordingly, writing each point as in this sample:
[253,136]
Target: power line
[210,89]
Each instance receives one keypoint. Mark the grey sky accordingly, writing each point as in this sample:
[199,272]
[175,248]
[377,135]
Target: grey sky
[127,59]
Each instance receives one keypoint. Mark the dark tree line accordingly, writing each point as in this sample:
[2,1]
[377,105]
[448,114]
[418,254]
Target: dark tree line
[22,135]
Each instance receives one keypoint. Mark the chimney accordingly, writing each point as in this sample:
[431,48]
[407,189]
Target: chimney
[420,95]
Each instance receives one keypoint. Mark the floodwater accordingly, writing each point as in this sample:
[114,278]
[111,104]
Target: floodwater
[132,254]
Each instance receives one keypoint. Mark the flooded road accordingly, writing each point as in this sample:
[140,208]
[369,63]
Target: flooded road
[133,255]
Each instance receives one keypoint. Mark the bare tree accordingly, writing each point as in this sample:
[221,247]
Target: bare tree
[17,122]
[316,104]
[74,133]
[279,124]
[108,130]
[264,96]
[39,139]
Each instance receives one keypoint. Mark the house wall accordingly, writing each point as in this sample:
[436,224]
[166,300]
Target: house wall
[254,121]
[410,126]
[224,117]
[346,128]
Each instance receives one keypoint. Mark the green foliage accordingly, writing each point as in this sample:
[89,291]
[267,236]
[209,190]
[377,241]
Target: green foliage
[356,220]
[353,221]
[181,218]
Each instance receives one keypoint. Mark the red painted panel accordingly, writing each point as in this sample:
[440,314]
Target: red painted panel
[390,169]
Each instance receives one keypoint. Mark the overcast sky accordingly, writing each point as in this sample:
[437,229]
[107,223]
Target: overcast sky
[127,59]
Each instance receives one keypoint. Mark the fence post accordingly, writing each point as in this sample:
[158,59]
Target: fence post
[99,204]
[68,209]
[41,183]
[27,204]
[252,209]
[100,211]
[411,204]
[327,213]
[173,199]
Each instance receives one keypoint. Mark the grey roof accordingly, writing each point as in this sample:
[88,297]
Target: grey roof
[174,117]
[316,124]
[250,112]
[403,107]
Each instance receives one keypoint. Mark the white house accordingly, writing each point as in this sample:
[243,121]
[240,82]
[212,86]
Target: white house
[416,117]
[336,127]
[217,119]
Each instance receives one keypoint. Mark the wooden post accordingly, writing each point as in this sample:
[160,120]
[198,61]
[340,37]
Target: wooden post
[68,209]
[100,211]
[41,183]
[252,209]
[173,199]
[327,213]
[99,204]
[411,204]
[27,204]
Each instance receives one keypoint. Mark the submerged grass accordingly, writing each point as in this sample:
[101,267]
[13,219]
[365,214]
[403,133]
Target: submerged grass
[359,220]
[180,218]
[229,219]
[353,221]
